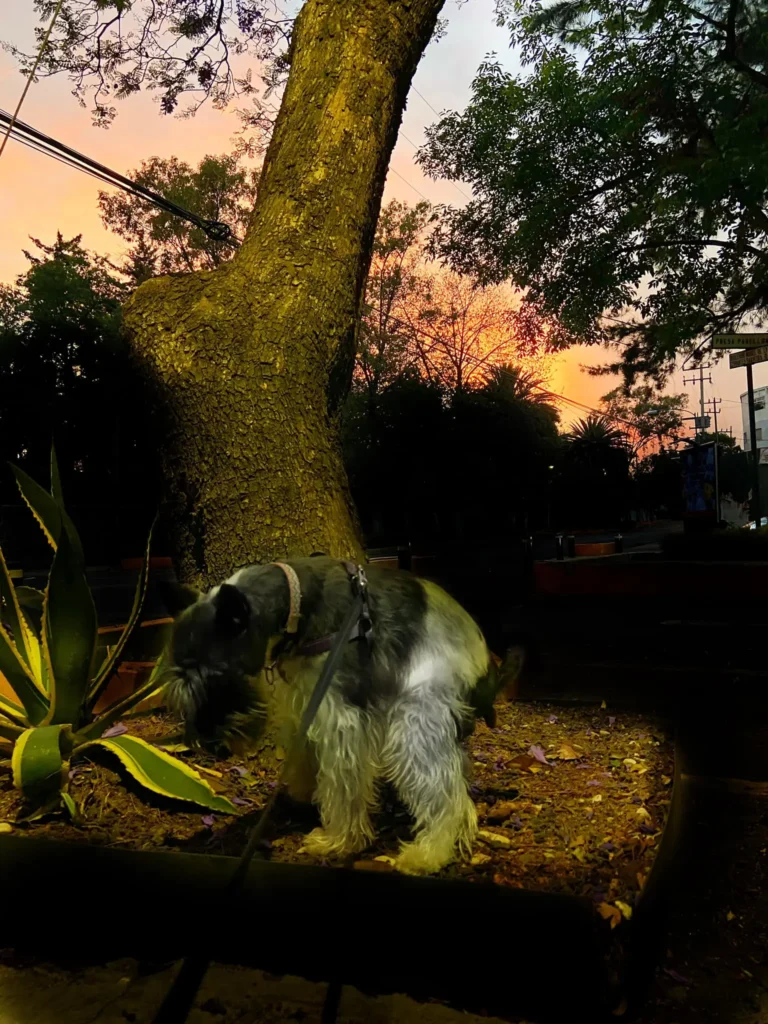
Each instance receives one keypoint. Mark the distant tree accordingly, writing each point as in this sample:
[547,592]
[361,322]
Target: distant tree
[395,456]
[594,479]
[64,376]
[461,329]
[659,485]
[621,179]
[434,467]
[218,189]
[454,331]
[386,340]
[514,382]
[724,440]
[594,436]
[649,414]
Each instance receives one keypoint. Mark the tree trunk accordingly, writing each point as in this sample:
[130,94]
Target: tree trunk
[249,363]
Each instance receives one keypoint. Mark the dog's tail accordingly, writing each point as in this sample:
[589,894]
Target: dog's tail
[501,677]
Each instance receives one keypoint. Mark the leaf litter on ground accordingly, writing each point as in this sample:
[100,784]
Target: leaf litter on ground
[570,800]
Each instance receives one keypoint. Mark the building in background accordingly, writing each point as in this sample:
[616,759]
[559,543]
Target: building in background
[761,420]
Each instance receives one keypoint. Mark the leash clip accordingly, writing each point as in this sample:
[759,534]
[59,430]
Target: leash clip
[360,583]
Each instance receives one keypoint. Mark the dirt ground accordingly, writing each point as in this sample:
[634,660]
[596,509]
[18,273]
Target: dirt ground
[569,800]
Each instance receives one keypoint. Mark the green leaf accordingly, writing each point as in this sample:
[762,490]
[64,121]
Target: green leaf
[107,669]
[56,492]
[163,774]
[31,604]
[11,613]
[12,710]
[69,803]
[9,730]
[22,682]
[69,634]
[37,761]
[43,507]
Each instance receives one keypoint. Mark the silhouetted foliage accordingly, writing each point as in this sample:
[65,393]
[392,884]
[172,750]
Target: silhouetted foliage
[428,466]
[64,375]
[593,485]
[218,189]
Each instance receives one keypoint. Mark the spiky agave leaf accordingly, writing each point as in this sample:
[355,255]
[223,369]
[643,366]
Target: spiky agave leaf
[37,761]
[160,773]
[69,634]
[19,675]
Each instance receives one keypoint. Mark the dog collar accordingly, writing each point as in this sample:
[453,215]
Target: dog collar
[294,587]
[323,644]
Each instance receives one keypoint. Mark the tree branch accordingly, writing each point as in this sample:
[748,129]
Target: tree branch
[699,243]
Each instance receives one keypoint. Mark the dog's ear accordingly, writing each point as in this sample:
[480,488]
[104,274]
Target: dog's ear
[176,597]
[233,612]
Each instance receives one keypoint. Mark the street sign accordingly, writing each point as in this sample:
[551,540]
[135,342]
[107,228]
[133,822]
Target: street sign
[739,341]
[749,358]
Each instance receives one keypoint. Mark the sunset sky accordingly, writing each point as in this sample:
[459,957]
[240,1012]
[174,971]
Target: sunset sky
[39,196]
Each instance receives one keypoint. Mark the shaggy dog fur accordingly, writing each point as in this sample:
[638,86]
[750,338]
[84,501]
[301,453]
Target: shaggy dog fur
[397,708]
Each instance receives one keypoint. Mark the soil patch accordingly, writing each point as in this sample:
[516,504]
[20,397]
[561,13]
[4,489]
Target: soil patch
[570,800]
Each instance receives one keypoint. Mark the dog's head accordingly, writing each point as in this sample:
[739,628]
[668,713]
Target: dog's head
[217,648]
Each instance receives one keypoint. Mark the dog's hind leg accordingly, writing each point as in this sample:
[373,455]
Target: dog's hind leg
[424,760]
[345,741]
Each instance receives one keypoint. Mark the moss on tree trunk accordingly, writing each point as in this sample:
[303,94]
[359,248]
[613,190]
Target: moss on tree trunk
[249,363]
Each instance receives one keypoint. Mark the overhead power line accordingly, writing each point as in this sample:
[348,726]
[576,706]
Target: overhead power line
[41,143]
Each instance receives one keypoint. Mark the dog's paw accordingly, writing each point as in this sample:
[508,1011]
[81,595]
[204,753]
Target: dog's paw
[320,843]
[416,859]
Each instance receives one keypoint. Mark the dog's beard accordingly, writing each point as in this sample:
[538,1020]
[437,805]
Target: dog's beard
[216,706]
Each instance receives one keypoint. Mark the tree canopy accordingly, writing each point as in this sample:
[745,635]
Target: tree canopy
[182,50]
[621,179]
[65,376]
[218,189]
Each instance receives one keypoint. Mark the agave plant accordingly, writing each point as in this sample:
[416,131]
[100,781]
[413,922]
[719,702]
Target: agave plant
[48,654]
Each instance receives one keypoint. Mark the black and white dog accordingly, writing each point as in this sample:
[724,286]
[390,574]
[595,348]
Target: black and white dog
[397,709]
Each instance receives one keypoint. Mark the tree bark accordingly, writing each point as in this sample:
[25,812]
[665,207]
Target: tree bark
[249,363]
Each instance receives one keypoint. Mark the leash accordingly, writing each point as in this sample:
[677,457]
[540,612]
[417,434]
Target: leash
[178,1002]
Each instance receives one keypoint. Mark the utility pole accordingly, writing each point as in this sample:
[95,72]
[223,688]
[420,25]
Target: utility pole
[700,381]
[716,403]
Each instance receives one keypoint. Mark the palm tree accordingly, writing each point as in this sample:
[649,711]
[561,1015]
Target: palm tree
[514,382]
[595,471]
[596,432]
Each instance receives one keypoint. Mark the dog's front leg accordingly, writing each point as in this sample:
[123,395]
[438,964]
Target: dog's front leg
[345,744]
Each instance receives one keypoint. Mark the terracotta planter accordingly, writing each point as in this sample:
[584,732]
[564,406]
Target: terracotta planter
[595,550]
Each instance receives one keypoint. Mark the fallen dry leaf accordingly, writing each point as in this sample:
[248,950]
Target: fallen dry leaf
[502,810]
[642,814]
[610,914]
[480,858]
[624,908]
[494,839]
[567,753]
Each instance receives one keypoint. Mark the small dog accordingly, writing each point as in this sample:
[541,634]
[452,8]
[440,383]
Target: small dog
[397,709]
